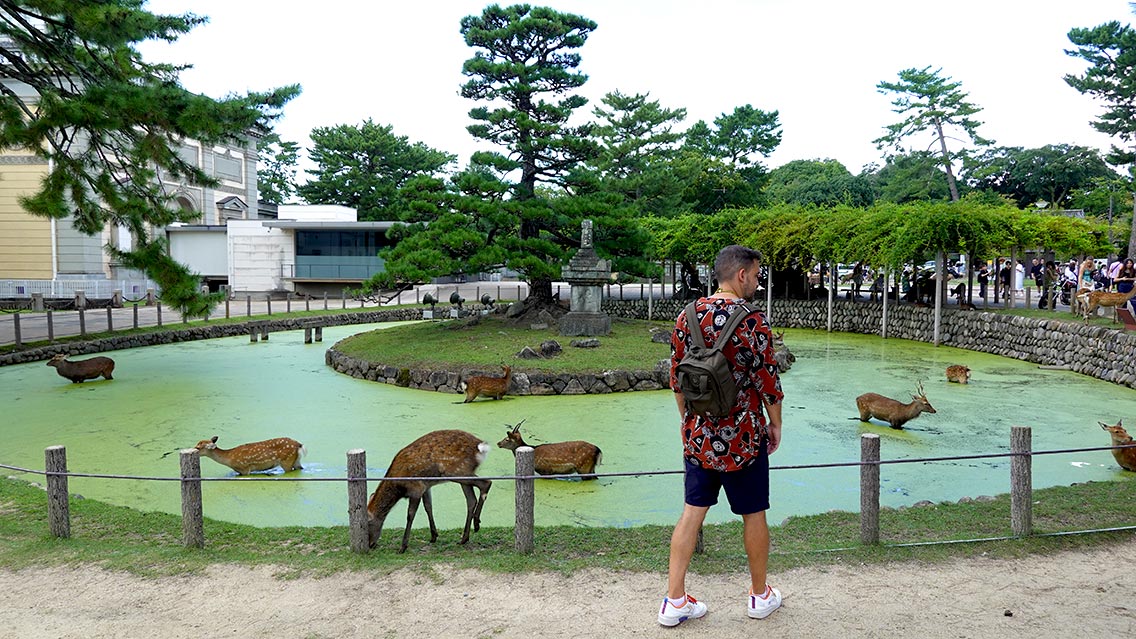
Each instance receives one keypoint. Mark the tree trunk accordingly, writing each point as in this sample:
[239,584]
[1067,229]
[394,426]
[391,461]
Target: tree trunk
[1132,233]
[951,183]
[540,291]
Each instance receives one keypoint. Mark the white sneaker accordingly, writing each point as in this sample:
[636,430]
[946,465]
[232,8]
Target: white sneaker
[672,615]
[762,607]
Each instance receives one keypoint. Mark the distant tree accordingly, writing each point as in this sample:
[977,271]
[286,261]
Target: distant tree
[817,183]
[1110,50]
[637,144]
[109,123]
[364,167]
[276,168]
[738,137]
[908,178]
[1051,174]
[931,104]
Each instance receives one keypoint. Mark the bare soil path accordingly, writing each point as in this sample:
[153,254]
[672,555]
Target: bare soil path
[1090,593]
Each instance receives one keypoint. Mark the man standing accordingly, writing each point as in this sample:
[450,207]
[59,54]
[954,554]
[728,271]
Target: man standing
[730,452]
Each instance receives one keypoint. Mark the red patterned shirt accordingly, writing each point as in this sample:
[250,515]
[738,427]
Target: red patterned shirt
[732,442]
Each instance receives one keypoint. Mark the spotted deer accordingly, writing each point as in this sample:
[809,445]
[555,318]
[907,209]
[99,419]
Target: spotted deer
[82,370]
[444,455]
[895,413]
[494,387]
[560,458]
[284,452]
[1126,457]
[1091,300]
[958,373]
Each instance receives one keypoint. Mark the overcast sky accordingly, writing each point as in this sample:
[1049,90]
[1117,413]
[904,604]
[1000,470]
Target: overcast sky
[817,62]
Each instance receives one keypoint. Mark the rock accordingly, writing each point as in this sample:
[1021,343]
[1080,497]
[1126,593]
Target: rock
[528,353]
[515,310]
[585,343]
[544,317]
[550,348]
[660,336]
[538,327]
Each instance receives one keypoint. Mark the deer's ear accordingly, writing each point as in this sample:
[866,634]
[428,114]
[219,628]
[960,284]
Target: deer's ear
[214,440]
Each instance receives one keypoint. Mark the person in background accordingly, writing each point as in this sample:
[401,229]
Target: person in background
[983,278]
[1125,280]
[1113,272]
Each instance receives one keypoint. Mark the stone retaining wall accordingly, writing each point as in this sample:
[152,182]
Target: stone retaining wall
[1101,352]
[1105,353]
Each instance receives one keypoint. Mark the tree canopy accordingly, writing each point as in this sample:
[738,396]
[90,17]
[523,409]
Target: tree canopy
[110,123]
[364,167]
[1052,174]
[931,104]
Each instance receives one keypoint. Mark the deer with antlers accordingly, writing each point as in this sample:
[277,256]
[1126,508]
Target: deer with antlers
[560,458]
[1126,457]
[1091,300]
[894,412]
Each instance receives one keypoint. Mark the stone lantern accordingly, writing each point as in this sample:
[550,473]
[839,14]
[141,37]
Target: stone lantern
[587,274]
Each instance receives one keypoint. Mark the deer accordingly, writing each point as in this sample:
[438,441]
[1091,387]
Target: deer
[494,387]
[453,455]
[781,354]
[1091,300]
[284,452]
[82,370]
[958,373]
[560,458]
[893,412]
[1126,457]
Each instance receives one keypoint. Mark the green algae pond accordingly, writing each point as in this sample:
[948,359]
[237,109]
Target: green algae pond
[165,398]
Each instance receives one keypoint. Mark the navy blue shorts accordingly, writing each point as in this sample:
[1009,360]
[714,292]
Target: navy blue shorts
[747,489]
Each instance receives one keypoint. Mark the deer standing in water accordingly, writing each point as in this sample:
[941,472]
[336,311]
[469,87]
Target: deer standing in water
[284,452]
[494,387]
[958,373]
[81,370]
[1126,457]
[440,453]
[560,458]
[895,413]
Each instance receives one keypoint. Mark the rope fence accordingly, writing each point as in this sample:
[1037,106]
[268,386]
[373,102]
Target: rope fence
[870,464]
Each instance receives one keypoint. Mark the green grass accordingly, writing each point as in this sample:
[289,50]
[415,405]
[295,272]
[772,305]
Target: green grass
[491,342]
[149,544]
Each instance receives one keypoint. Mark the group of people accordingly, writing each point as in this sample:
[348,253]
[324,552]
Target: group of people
[1074,278]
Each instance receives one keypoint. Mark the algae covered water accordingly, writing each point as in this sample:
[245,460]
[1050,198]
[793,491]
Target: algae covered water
[164,398]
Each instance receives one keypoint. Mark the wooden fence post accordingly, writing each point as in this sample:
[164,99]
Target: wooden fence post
[869,488]
[248,305]
[110,321]
[135,315]
[357,499]
[158,308]
[58,505]
[523,532]
[82,322]
[192,523]
[1021,481]
[50,326]
[16,328]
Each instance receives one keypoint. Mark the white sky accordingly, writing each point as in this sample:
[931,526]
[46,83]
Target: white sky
[817,62]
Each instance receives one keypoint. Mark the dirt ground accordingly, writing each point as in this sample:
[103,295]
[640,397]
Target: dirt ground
[1083,593]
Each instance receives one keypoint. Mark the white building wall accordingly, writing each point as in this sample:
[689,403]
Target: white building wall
[316,213]
[257,255]
[203,252]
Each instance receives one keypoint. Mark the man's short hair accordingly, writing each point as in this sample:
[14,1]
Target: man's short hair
[732,259]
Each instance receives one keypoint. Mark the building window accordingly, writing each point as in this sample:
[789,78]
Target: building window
[227,167]
[340,243]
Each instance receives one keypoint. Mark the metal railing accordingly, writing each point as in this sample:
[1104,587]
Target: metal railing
[64,288]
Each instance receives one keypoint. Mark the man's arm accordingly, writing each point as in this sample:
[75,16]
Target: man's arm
[773,411]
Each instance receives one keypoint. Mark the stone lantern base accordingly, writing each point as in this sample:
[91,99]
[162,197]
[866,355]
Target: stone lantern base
[576,324]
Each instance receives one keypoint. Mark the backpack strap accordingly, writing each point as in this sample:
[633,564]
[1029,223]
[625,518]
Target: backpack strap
[735,319]
[691,322]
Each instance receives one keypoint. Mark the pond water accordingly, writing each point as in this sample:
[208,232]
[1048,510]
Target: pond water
[168,397]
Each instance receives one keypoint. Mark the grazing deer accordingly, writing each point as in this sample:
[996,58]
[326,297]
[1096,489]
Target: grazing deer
[1126,457]
[560,458]
[441,453]
[81,370]
[284,452]
[781,354]
[893,412]
[958,373]
[494,387]
[1091,300]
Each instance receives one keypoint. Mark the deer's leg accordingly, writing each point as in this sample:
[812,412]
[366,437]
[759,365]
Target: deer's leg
[484,486]
[411,509]
[430,515]
[470,508]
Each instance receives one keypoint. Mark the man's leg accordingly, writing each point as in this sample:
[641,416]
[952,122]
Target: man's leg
[756,537]
[683,541]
